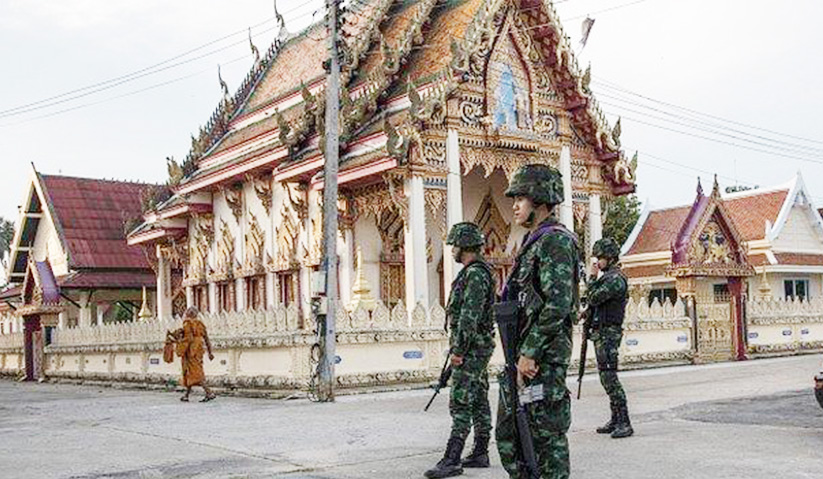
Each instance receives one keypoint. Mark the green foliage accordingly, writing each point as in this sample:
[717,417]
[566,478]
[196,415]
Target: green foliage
[621,215]
[6,235]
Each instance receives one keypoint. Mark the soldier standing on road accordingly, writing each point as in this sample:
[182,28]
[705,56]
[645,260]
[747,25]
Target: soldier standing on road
[544,280]
[471,346]
[607,296]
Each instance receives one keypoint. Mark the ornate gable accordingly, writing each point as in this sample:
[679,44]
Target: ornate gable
[708,243]
[40,294]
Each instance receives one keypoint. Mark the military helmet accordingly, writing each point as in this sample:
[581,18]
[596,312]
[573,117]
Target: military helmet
[466,235]
[605,248]
[541,183]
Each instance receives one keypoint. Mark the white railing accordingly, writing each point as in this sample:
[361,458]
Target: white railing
[275,321]
[780,311]
[10,341]
[642,311]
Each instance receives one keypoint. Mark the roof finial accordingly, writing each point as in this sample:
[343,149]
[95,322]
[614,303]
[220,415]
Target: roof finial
[254,50]
[223,85]
[283,33]
[715,188]
[699,187]
[616,133]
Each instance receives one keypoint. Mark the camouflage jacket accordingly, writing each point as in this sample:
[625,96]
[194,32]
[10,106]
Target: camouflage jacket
[607,296]
[544,279]
[469,312]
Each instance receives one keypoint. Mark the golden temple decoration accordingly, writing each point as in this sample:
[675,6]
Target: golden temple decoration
[225,253]
[145,311]
[435,200]
[255,241]
[200,242]
[287,229]
[491,159]
[711,246]
[234,199]
[764,291]
[315,252]
[494,227]
[396,194]
[296,198]
[262,188]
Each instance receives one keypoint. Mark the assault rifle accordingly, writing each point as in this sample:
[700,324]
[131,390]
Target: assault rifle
[445,375]
[584,346]
[506,315]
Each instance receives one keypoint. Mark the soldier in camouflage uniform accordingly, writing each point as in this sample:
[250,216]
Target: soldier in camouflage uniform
[471,346]
[607,296]
[544,280]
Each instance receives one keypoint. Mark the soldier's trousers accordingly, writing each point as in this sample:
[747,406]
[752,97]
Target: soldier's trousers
[549,421]
[469,397]
[606,346]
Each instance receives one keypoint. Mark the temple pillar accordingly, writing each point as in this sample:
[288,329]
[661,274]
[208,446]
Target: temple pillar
[84,318]
[595,222]
[566,214]
[239,295]
[98,313]
[61,321]
[454,207]
[189,296]
[213,306]
[345,250]
[417,280]
[271,292]
[164,308]
[738,325]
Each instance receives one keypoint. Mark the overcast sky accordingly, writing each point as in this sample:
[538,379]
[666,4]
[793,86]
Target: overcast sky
[754,62]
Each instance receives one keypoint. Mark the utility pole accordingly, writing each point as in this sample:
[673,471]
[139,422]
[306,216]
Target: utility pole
[327,379]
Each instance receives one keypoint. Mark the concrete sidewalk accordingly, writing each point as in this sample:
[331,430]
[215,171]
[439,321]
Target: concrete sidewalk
[755,419]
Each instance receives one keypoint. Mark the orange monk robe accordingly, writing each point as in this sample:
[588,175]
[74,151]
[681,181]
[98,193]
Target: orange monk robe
[191,350]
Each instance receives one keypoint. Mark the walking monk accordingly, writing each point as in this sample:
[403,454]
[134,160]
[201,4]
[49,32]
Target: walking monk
[190,341]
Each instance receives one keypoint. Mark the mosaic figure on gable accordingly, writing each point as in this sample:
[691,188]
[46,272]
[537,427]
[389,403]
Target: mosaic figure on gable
[508,87]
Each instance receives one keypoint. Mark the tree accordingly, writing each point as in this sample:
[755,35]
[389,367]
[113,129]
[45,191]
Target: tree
[6,236]
[621,216]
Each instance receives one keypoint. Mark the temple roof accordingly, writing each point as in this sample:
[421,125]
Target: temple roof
[90,216]
[386,45]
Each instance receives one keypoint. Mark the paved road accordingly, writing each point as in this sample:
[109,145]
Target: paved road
[756,419]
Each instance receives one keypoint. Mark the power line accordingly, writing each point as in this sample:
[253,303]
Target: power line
[143,72]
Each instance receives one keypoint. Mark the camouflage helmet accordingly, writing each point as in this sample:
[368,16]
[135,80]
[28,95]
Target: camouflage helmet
[605,248]
[466,235]
[541,183]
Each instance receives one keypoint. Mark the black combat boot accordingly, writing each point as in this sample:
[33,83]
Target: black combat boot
[479,456]
[608,428]
[450,464]
[623,427]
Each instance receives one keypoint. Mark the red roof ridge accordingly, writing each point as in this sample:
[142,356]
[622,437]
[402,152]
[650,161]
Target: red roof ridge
[100,180]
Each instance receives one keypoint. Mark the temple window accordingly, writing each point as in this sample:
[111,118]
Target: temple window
[287,287]
[256,292]
[225,296]
[796,288]
[663,294]
[201,297]
[721,293]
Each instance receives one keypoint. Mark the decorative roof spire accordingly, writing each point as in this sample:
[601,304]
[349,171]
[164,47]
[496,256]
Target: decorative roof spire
[223,84]
[764,290]
[616,132]
[361,291]
[715,188]
[254,50]
[283,33]
[699,187]
[144,313]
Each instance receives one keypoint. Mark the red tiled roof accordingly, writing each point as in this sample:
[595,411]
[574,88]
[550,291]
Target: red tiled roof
[90,216]
[659,230]
[645,271]
[799,259]
[108,280]
[749,214]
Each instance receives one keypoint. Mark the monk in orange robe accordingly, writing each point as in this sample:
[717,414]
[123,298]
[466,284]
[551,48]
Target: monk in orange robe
[192,341]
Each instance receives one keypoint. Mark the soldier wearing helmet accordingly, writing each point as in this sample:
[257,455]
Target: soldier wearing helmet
[544,284]
[471,342]
[607,293]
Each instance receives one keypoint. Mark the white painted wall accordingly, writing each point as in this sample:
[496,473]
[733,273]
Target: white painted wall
[47,246]
[799,234]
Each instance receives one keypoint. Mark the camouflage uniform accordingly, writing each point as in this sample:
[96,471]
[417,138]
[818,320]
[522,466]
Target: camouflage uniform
[469,317]
[607,296]
[472,337]
[548,264]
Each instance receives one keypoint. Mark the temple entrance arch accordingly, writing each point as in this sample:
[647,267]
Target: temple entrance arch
[40,309]
[710,265]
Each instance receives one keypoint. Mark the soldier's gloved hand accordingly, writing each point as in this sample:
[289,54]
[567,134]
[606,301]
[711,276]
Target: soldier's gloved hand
[456,360]
[527,367]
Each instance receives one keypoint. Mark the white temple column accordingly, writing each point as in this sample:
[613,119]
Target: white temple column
[271,293]
[84,318]
[189,296]
[454,207]
[345,272]
[61,320]
[417,279]
[164,309]
[239,295]
[213,307]
[566,214]
[595,222]
[99,314]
